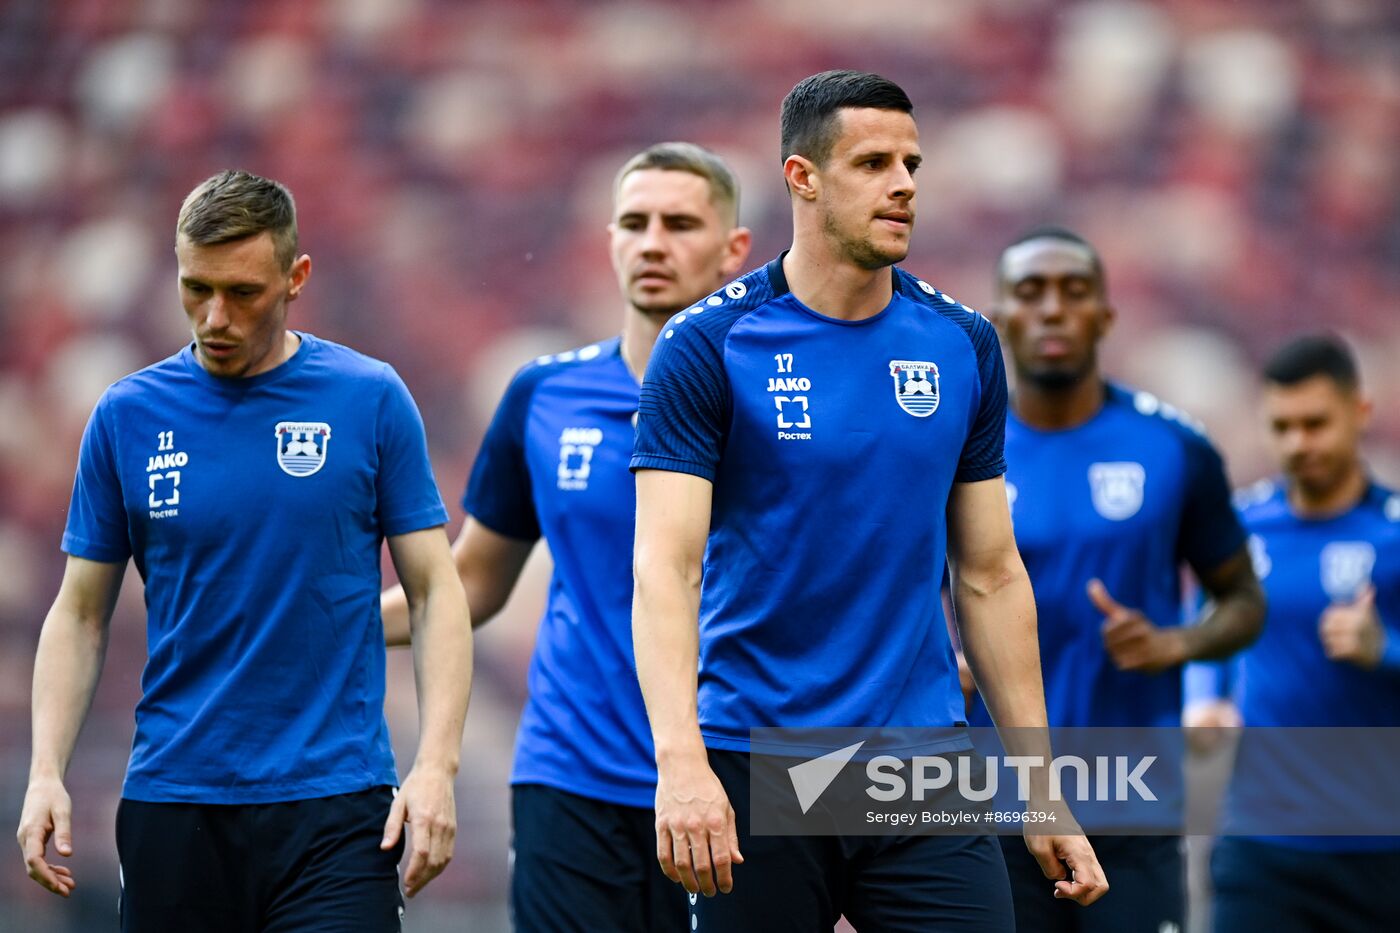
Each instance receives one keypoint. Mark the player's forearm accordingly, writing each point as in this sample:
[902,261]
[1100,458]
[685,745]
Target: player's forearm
[67,666]
[442,666]
[1234,620]
[996,621]
[665,638]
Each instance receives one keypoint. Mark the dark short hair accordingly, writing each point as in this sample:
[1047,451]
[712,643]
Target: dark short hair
[235,204]
[1053,232]
[1313,355]
[810,109]
[692,158]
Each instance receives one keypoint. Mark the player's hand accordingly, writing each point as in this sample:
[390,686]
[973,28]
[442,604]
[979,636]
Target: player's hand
[697,839]
[1069,860]
[1206,722]
[1132,641]
[1353,632]
[426,801]
[47,811]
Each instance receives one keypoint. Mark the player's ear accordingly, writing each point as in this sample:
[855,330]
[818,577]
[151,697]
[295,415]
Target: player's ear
[800,173]
[736,250]
[1107,316]
[300,272]
[1363,410]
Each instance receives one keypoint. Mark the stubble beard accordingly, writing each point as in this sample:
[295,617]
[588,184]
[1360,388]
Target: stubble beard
[860,251]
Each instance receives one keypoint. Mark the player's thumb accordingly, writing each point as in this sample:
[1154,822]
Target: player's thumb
[1366,599]
[1099,596]
[63,831]
[394,825]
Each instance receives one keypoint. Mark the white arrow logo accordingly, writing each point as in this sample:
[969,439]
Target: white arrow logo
[810,778]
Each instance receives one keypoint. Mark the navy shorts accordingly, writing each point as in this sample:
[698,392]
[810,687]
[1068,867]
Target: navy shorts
[581,864]
[894,883]
[1265,888]
[304,866]
[1146,882]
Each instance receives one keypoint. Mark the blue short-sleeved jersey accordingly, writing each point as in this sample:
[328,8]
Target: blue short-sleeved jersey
[832,446]
[1285,678]
[1125,497]
[254,510]
[554,462]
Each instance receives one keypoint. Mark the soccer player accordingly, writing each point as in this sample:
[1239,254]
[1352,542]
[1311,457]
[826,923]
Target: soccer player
[1326,540]
[1111,491]
[783,459]
[252,477]
[554,465]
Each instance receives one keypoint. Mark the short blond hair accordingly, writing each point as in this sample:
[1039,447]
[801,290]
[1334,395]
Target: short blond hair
[235,204]
[692,158]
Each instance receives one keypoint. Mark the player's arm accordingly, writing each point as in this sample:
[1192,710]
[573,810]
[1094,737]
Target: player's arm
[442,666]
[488,563]
[1234,617]
[697,841]
[67,665]
[996,620]
[994,604]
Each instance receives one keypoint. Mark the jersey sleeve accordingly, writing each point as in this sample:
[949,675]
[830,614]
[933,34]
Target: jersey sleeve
[406,494]
[685,405]
[1204,681]
[498,492]
[982,454]
[1210,527]
[97,522]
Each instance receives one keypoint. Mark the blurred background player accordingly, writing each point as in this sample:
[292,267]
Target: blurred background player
[253,478]
[554,465]
[770,420]
[1111,491]
[1326,542]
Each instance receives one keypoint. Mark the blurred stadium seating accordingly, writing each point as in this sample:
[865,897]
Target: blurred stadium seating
[1238,164]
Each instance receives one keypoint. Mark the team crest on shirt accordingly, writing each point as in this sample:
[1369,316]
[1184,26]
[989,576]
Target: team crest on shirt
[1116,488]
[302,446]
[915,386]
[1346,568]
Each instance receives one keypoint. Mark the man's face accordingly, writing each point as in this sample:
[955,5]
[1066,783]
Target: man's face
[866,186]
[1051,311]
[1315,427]
[235,295]
[670,245]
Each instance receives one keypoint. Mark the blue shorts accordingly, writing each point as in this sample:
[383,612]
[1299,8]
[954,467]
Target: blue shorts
[894,884]
[1265,888]
[304,866]
[1146,888]
[585,865]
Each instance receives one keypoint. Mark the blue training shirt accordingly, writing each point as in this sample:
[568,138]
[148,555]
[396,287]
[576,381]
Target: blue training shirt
[254,510]
[1286,680]
[832,446]
[554,463]
[1126,497]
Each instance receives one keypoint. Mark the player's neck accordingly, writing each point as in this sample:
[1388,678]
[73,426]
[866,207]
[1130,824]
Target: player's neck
[639,333]
[1337,500]
[1057,408]
[835,287]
